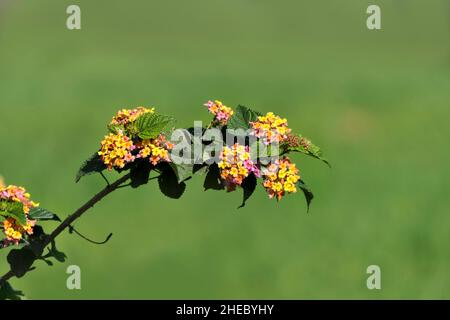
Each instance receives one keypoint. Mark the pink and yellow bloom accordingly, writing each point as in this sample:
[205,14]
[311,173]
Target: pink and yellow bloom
[271,128]
[17,194]
[116,150]
[13,230]
[156,150]
[235,165]
[221,112]
[280,178]
[119,148]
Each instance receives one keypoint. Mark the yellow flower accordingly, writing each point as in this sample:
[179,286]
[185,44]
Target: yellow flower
[234,172]
[13,230]
[235,165]
[243,171]
[289,187]
[116,150]
[277,186]
[221,112]
[155,149]
[280,178]
[271,128]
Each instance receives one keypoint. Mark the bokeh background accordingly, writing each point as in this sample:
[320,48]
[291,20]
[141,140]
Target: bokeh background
[377,102]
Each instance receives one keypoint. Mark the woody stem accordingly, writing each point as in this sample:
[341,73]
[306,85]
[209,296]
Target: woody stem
[74,216]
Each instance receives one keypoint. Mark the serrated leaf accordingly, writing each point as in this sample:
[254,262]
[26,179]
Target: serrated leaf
[150,125]
[242,117]
[169,185]
[14,210]
[42,214]
[212,179]
[140,173]
[92,165]
[249,186]
[7,292]
[307,192]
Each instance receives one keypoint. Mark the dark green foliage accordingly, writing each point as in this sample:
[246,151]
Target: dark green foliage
[92,165]
[199,169]
[140,173]
[307,192]
[21,260]
[249,186]
[37,240]
[212,179]
[7,292]
[54,253]
[168,182]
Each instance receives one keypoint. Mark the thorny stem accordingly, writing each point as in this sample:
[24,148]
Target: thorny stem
[74,216]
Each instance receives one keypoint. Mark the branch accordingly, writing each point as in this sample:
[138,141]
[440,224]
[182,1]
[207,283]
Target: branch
[74,216]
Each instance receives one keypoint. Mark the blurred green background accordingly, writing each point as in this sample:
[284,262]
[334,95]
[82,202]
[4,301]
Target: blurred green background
[377,102]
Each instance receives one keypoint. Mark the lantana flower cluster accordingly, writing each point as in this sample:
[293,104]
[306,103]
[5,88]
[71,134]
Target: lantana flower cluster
[12,229]
[156,150]
[280,178]
[122,147]
[116,150]
[271,128]
[236,165]
[221,112]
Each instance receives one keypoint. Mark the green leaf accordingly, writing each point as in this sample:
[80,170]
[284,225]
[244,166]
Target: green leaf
[182,171]
[242,117]
[42,214]
[150,125]
[7,292]
[307,192]
[249,186]
[37,240]
[20,261]
[140,173]
[212,179]
[14,210]
[92,165]
[309,149]
[169,185]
